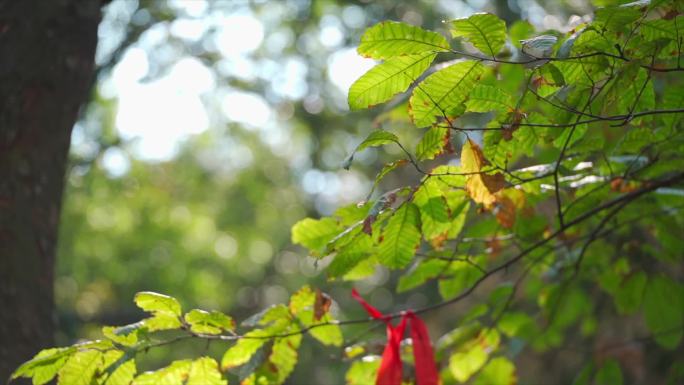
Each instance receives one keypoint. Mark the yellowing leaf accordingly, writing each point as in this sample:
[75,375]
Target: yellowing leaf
[313,307]
[481,187]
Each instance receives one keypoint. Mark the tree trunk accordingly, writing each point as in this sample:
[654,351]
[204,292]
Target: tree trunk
[46,66]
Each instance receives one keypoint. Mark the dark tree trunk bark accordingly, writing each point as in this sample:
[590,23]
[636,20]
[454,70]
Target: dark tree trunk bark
[46,66]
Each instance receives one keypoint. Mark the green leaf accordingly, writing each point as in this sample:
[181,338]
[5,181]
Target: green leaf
[156,303]
[44,365]
[434,217]
[364,371]
[204,322]
[301,300]
[584,376]
[387,79]
[663,304]
[628,296]
[80,368]
[386,169]
[673,98]
[314,234]
[443,90]
[616,18]
[243,350]
[122,372]
[162,322]
[389,39]
[174,374]
[574,135]
[463,276]
[499,371]
[401,237]
[485,98]
[459,213]
[658,29]
[204,371]
[374,139]
[520,30]
[609,374]
[351,214]
[330,335]
[420,273]
[268,316]
[459,336]
[124,335]
[350,256]
[514,324]
[483,30]
[377,138]
[433,143]
[284,356]
[248,345]
[465,364]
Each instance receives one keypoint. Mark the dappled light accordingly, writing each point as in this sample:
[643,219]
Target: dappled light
[327,192]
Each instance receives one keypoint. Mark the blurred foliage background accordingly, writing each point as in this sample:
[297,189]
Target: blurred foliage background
[213,126]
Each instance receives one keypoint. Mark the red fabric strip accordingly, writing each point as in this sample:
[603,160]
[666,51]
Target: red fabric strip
[390,371]
[424,357]
[370,309]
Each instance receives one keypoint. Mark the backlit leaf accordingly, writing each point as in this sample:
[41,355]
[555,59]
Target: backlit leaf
[401,237]
[485,98]
[174,374]
[499,371]
[389,39]
[433,143]
[387,79]
[204,322]
[483,30]
[465,364]
[80,368]
[440,92]
[314,234]
[156,303]
[205,371]
[364,371]
[45,365]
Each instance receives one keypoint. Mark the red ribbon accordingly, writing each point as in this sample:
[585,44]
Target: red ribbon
[390,371]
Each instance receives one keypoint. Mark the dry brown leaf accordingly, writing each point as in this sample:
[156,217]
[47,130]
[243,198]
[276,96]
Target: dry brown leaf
[321,305]
[505,211]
